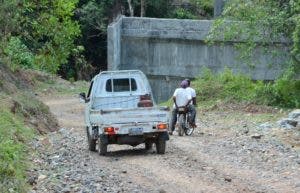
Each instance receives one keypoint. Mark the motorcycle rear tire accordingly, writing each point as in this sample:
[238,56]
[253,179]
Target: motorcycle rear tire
[189,131]
[181,125]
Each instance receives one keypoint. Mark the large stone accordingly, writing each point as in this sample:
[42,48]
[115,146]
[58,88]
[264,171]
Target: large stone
[287,123]
[42,177]
[295,114]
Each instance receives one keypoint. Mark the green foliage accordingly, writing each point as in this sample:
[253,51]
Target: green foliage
[13,135]
[257,23]
[9,18]
[19,54]
[181,13]
[284,92]
[196,9]
[43,33]
[226,86]
[157,8]
[93,17]
[295,17]
[205,8]
[50,31]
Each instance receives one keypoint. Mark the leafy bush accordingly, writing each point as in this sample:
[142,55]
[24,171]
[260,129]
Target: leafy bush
[283,92]
[19,54]
[225,85]
[181,13]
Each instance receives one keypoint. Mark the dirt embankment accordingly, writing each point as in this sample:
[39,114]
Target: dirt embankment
[17,94]
[229,152]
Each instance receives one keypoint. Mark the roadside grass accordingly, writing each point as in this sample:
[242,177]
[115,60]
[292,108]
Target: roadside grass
[265,117]
[14,137]
[17,110]
[256,118]
[22,117]
[61,87]
[227,87]
[27,104]
[167,103]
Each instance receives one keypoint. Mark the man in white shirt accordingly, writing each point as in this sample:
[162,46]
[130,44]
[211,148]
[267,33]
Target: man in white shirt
[192,104]
[181,97]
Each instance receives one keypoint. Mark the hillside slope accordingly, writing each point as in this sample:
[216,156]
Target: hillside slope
[22,116]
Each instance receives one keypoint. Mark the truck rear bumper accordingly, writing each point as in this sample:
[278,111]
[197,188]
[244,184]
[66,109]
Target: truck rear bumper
[133,140]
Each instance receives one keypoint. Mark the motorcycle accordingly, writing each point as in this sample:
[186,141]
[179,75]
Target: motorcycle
[183,118]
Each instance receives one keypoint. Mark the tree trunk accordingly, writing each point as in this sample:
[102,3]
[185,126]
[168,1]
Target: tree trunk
[130,8]
[143,8]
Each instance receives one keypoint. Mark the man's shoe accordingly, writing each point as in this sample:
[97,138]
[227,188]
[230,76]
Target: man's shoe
[170,132]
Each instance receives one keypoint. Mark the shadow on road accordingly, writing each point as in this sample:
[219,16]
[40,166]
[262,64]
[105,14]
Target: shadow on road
[131,153]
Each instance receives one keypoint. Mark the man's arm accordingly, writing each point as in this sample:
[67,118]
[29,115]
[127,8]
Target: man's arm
[188,102]
[194,97]
[174,99]
[194,101]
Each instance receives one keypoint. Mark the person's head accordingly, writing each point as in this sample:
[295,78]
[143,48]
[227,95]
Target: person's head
[188,81]
[184,84]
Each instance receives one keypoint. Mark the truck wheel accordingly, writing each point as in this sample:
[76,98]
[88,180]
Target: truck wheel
[148,145]
[102,147]
[161,146]
[91,142]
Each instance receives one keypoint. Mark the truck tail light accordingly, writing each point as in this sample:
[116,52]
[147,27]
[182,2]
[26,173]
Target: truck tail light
[161,126]
[110,130]
[145,101]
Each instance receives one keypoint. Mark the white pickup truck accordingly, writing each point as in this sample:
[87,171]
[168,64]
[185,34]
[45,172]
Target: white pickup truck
[120,110]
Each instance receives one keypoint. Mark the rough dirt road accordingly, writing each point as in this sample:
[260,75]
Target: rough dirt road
[226,154]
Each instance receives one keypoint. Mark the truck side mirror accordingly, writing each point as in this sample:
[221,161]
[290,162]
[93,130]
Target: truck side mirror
[82,97]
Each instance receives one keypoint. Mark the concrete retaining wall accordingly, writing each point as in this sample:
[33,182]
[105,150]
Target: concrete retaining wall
[168,50]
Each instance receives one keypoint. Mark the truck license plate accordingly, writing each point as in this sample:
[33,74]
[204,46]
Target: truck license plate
[136,131]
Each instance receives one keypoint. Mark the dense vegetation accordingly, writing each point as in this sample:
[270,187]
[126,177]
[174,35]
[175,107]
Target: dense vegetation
[227,87]
[69,36]
[263,24]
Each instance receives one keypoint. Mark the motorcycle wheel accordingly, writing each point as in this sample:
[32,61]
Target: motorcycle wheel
[189,130]
[181,125]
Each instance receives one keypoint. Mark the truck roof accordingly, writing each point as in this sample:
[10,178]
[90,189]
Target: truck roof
[120,72]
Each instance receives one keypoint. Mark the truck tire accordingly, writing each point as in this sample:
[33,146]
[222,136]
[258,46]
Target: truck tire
[91,142]
[161,146]
[102,147]
[148,145]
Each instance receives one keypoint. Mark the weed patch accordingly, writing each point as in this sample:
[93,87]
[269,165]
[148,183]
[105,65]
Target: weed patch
[228,87]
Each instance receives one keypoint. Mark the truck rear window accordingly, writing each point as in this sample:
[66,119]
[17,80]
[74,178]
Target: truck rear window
[121,85]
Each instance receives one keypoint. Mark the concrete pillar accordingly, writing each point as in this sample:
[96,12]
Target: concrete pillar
[218,7]
[114,31]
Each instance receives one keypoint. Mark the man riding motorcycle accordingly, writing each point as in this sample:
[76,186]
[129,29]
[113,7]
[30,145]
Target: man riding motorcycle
[182,98]
[193,103]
